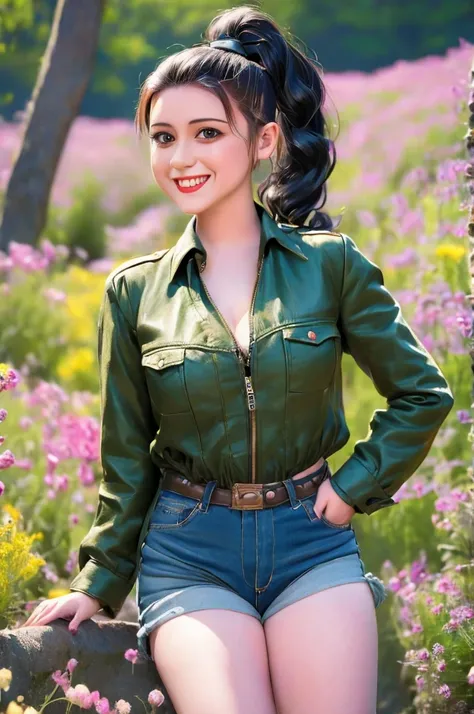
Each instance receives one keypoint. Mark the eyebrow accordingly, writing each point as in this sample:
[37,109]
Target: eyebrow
[193,121]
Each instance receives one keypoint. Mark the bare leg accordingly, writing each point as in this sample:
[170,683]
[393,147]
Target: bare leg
[214,661]
[323,653]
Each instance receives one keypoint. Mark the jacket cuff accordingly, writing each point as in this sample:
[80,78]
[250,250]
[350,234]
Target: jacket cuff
[359,488]
[97,581]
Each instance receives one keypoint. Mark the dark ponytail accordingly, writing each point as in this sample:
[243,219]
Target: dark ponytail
[274,71]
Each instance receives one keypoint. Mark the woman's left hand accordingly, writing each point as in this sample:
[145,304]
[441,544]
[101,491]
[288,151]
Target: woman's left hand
[331,504]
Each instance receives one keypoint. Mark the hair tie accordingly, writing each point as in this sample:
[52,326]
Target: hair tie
[232,44]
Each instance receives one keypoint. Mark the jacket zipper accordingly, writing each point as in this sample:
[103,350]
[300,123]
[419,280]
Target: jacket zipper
[246,362]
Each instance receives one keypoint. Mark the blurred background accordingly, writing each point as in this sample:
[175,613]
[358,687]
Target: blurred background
[77,198]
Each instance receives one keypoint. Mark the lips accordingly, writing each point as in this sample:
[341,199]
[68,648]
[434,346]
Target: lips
[191,189]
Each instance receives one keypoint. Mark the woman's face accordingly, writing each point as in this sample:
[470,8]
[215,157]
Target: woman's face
[191,139]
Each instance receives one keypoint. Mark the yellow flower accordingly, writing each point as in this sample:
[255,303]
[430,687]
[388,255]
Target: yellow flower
[451,251]
[5,679]
[30,710]
[57,592]
[80,359]
[13,512]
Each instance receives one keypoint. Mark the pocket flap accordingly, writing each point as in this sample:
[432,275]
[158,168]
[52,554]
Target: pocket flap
[311,334]
[163,357]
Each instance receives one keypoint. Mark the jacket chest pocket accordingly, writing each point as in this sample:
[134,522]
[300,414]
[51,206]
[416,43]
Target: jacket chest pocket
[312,354]
[164,372]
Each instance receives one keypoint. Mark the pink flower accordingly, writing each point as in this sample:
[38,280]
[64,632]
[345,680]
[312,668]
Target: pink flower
[420,681]
[437,609]
[156,698]
[394,584]
[122,707]
[61,679]
[441,665]
[3,414]
[437,649]
[77,694]
[103,706]
[445,691]
[423,654]
[7,459]
[71,665]
[25,422]
[2,488]
[131,656]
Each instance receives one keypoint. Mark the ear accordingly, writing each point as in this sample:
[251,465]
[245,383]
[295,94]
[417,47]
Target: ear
[267,140]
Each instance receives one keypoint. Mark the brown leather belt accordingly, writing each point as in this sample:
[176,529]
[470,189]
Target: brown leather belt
[247,496]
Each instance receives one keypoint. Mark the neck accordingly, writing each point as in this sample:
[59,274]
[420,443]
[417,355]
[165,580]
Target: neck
[231,223]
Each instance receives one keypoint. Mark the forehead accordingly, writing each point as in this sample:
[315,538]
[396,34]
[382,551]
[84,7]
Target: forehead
[185,103]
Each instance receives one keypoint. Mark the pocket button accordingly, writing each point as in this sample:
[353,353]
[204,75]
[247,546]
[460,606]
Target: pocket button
[312,335]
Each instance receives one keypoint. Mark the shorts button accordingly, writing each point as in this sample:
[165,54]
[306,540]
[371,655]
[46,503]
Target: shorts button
[270,494]
[312,335]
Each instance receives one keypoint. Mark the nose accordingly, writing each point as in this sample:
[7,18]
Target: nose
[182,156]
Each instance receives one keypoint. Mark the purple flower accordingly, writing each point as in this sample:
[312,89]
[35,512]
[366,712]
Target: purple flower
[438,649]
[463,416]
[423,654]
[445,691]
[2,488]
[3,414]
[7,459]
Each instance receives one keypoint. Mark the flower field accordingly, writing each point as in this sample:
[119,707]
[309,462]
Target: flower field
[401,188]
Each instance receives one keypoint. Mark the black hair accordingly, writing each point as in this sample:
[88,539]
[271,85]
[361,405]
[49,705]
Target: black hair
[278,70]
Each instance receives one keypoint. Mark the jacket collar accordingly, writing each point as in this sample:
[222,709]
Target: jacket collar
[270,229]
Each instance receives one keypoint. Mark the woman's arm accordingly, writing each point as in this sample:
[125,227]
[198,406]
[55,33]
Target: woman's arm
[107,554]
[419,399]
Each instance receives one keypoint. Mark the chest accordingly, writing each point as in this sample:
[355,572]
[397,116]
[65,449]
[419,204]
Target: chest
[231,293]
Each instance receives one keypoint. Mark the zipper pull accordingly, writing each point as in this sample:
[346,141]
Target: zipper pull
[250,393]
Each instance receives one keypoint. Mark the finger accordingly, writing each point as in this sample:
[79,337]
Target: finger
[39,616]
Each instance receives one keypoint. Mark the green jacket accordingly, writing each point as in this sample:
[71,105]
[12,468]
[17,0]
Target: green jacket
[177,392]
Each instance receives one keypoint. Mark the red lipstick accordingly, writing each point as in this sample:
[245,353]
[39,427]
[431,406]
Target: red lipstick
[190,189]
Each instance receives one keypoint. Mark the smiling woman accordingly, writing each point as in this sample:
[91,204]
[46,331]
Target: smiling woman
[221,383]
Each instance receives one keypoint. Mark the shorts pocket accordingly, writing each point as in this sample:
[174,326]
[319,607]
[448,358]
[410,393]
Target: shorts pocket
[173,510]
[341,526]
[312,352]
[308,505]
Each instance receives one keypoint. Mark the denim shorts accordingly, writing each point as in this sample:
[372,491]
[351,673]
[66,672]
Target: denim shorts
[198,556]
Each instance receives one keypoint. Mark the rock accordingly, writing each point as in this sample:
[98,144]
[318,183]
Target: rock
[34,653]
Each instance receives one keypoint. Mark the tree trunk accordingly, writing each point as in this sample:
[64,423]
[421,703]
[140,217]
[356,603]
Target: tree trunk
[64,74]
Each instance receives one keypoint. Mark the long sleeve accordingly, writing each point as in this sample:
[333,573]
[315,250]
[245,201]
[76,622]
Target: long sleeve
[107,559]
[418,397]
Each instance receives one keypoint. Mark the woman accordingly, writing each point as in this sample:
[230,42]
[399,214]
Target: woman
[221,395]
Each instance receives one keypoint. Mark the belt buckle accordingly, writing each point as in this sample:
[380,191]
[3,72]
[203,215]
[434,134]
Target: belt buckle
[247,496]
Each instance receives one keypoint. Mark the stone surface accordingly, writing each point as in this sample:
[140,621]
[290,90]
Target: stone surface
[34,653]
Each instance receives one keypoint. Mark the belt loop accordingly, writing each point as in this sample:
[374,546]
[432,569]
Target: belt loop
[294,500]
[207,495]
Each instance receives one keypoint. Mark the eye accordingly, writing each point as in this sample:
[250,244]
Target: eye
[216,132]
[154,137]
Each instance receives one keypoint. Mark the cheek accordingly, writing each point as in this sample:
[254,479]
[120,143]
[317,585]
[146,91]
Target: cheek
[159,167]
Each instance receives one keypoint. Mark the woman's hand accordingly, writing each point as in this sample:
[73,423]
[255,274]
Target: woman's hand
[74,605]
[331,504]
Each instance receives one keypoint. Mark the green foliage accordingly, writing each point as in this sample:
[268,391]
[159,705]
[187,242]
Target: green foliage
[84,222]
[30,330]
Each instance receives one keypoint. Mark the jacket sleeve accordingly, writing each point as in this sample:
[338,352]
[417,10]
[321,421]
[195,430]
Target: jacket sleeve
[419,399]
[108,555]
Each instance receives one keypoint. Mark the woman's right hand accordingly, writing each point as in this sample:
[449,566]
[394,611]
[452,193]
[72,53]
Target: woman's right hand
[75,606]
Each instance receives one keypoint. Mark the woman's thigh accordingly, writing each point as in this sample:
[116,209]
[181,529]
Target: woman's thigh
[214,661]
[323,653]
